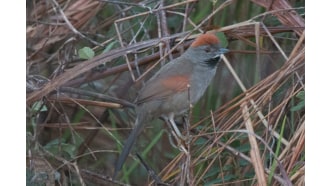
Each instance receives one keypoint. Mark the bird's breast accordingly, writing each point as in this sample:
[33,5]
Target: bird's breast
[201,79]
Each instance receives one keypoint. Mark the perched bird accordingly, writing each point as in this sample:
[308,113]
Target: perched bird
[174,87]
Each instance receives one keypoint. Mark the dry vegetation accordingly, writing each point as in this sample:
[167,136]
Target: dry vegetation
[248,129]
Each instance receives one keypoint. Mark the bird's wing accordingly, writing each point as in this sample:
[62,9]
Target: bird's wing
[171,79]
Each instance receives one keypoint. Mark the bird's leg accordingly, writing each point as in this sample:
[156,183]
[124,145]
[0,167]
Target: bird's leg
[170,132]
[169,120]
[170,138]
[173,130]
[177,134]
[180,145]
[176,130]
[186,124]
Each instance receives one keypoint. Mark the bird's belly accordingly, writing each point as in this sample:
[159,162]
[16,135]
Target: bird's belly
[177,104]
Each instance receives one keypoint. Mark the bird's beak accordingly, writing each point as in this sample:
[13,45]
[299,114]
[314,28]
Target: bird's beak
[223,50]
[220,52]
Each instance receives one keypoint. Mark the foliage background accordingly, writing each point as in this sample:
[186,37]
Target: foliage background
[79,105]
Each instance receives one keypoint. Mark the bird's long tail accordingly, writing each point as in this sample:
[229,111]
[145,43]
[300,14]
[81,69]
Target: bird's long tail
[128,146]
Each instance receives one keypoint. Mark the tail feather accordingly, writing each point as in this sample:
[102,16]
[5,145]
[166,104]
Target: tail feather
[127,147]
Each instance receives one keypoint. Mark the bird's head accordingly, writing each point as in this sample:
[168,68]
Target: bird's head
[206,50]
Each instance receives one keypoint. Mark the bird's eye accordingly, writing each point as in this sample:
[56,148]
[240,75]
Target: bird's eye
[207,49]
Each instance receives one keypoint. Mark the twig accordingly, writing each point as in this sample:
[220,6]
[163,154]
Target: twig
[71,27]
[261,116]
[255,152]
[163,27]
[89,64]
[117,101]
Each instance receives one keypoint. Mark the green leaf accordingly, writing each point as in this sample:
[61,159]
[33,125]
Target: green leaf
[53,146]
[200,141]
[301,104]
[86,53]
[244,148]
[39,106]
[227,178]
[109,46]
[301,95]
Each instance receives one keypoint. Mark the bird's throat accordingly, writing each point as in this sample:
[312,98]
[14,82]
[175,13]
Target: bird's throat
[212,62]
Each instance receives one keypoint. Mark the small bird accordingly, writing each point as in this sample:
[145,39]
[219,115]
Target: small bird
[176,86]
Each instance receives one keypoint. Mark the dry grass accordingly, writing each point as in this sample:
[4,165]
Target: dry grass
[247,129]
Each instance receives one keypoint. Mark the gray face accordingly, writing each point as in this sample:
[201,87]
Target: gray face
[206,55]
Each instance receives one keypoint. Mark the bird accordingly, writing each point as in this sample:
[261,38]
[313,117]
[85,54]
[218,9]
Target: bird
[177,85]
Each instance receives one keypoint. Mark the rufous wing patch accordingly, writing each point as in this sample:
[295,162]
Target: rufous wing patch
[176,83]
[163,88]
